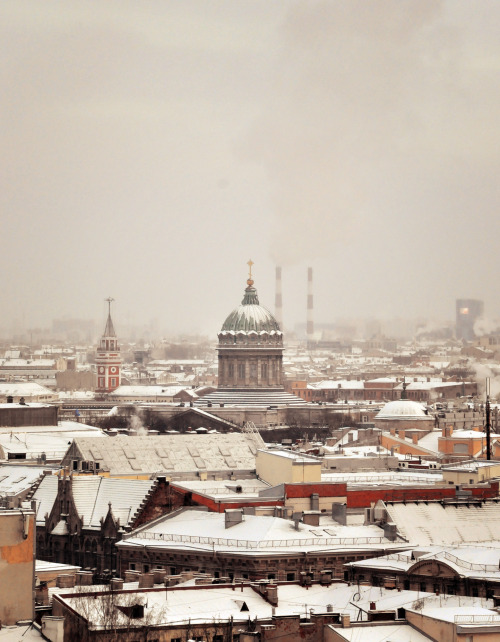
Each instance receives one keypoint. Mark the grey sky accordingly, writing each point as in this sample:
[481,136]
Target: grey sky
[149,149]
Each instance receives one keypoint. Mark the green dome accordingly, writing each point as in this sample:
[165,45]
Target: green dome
[250,316]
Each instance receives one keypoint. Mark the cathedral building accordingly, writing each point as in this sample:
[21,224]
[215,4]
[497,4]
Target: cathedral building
[108,359]
[250,357]
[250,347]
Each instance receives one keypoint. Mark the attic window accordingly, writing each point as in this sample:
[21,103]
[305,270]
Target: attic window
[16,456]
[135,611]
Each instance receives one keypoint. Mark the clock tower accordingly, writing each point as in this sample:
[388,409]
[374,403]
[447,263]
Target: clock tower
[108,359]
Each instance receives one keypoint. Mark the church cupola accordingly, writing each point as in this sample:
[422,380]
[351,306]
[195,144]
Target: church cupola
[108,358]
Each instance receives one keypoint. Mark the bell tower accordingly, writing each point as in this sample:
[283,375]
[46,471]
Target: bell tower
[108,358]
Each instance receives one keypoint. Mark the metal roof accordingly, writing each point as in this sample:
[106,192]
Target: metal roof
[250,316]
[168,453]
[92,496]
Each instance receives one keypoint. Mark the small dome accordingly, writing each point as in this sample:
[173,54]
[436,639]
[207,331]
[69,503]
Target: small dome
[250,316]
[402,409]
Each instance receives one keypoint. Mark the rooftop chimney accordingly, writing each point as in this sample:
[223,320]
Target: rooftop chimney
[310,323]
[278,302]
[232,517]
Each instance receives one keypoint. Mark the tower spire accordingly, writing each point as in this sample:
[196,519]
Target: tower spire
[109,330]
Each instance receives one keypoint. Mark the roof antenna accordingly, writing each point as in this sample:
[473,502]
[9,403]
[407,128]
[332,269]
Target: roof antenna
[488,420]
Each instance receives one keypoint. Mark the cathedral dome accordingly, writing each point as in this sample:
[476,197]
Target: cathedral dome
[250,316]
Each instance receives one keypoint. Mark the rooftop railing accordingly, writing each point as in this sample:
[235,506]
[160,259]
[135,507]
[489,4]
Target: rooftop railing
[252,544]
[477,619]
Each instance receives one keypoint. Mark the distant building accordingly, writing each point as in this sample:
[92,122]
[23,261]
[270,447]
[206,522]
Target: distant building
[468,311]
[250,358]
[250,347]
[108,359]
[25,392]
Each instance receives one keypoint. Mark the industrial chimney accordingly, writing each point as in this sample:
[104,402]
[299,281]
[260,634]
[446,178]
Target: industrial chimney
[310,323]
[278,302]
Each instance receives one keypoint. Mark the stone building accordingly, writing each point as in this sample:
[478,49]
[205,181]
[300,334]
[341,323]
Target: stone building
[250,347]
[240,545]
[472,571]
[79,519]
[250,358]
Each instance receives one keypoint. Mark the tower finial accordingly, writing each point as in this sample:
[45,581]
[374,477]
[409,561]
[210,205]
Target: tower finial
[250,280]
[109,300]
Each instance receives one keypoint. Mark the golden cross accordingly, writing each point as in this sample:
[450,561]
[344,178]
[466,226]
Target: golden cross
[250,263]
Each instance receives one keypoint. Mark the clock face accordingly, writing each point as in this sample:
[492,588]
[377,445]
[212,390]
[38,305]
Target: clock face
[113,369]
[101,369]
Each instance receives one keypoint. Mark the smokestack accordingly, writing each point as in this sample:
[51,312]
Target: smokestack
[278,303]
[310,323]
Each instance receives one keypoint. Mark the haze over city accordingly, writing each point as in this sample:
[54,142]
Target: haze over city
[151,149]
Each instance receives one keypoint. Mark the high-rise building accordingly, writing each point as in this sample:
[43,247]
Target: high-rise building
[468,311]
[108,358]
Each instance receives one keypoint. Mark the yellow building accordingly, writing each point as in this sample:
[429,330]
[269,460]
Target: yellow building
[284,466]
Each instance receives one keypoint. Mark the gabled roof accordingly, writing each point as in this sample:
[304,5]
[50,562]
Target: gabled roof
[92,496]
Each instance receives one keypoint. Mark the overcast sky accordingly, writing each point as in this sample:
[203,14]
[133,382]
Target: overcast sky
[151,148]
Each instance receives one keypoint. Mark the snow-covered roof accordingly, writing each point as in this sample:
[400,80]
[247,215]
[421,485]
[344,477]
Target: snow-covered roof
[146,391]
[402,409]
[436,523]
[169,453]
[92,496]
[16,479]
[254,534]
[24,389]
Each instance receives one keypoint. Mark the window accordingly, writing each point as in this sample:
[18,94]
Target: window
[230,370]
[241,371]
[290,577]
[113,381]
[263,370]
